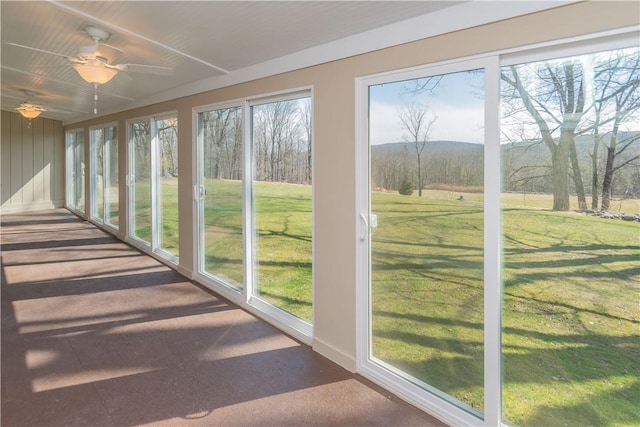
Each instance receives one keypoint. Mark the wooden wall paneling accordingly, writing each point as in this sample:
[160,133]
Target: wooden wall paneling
[48,159]
[5,158]
[16,159]
[37,127]
[27,161]
[58,195]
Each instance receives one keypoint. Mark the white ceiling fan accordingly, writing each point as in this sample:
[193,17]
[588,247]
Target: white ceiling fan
[94,63]
[30,109]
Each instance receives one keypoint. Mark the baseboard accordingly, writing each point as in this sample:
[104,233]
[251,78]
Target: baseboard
[335,355]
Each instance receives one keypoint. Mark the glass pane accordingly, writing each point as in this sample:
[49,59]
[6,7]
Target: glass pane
[111,176]
[140,188]
[281,139]
[97,175]
[220,137]
[426,178]
[79,171]
[167,185]
[75,170]
[570,315]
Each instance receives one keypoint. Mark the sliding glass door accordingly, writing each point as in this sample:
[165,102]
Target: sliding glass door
[104,175]
[424,230]
[220,195]
[165,185]
[282,220]
[75,170]
[254,196]
[498,235]
[139,181]
[571,142]
[153,184]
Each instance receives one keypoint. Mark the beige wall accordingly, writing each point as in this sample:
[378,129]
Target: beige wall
[32,160]
[334,156]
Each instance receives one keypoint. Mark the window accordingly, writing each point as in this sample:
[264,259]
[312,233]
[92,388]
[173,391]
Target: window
[507,292]
[75,170]
[104,175]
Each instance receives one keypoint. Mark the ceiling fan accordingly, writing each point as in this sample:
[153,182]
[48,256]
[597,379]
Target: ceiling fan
[94,63]
[30,109]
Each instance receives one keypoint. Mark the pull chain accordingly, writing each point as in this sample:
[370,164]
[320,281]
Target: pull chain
[95,98]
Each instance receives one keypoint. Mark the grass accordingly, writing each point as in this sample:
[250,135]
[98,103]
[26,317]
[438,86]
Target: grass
[169,237]
[570,305]
[571,313]
[283,241]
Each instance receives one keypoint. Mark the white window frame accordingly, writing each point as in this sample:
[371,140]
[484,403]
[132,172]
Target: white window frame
[207,279]
[294,326]
[156,201]
[92,183]
[493,370]
[70,166]
[151,247]
[130,182]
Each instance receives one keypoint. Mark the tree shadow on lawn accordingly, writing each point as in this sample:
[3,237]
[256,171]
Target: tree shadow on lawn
[629,275]
[581,359]
[425,216]
[571,309]
[287,301]
[586,412]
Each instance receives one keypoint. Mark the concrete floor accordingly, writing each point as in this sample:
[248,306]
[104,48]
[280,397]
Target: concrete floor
[94,333]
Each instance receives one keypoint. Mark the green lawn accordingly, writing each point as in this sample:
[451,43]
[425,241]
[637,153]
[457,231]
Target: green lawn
[169,239]
[283,241]
[571,300]
[571,310]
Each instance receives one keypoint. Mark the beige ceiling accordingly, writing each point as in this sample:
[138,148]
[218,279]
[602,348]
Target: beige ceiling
[201,41]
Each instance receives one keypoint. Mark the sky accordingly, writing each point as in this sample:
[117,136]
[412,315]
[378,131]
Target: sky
[456,102]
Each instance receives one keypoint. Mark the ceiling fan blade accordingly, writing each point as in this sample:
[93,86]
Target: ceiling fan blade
[58,110]
[110,53]
[37,50]
[147,69]
[112,47]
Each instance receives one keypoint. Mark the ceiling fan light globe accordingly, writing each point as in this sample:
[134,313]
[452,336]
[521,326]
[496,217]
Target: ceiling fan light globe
[29,113]
[96,74]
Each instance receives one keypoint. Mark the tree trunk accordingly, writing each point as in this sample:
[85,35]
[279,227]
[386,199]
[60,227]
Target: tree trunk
[577,176]
[419,177]
[608,177]
[594,172]
[560,167]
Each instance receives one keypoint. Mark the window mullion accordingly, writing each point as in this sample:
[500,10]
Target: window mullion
[492,247]
[247,202]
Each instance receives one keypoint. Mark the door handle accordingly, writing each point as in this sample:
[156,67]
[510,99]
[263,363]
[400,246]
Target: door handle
[363,235]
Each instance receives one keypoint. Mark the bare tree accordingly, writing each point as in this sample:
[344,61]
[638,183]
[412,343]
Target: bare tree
[168,136]
[281,141]
[308,131]
[557,104]
[417,121]
[617,81]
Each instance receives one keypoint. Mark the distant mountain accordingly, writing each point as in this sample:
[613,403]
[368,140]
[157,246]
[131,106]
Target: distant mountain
[584,143]
[431,147]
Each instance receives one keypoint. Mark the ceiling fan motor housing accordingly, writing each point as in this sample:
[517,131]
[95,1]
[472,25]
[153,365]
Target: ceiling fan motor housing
[96,33]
